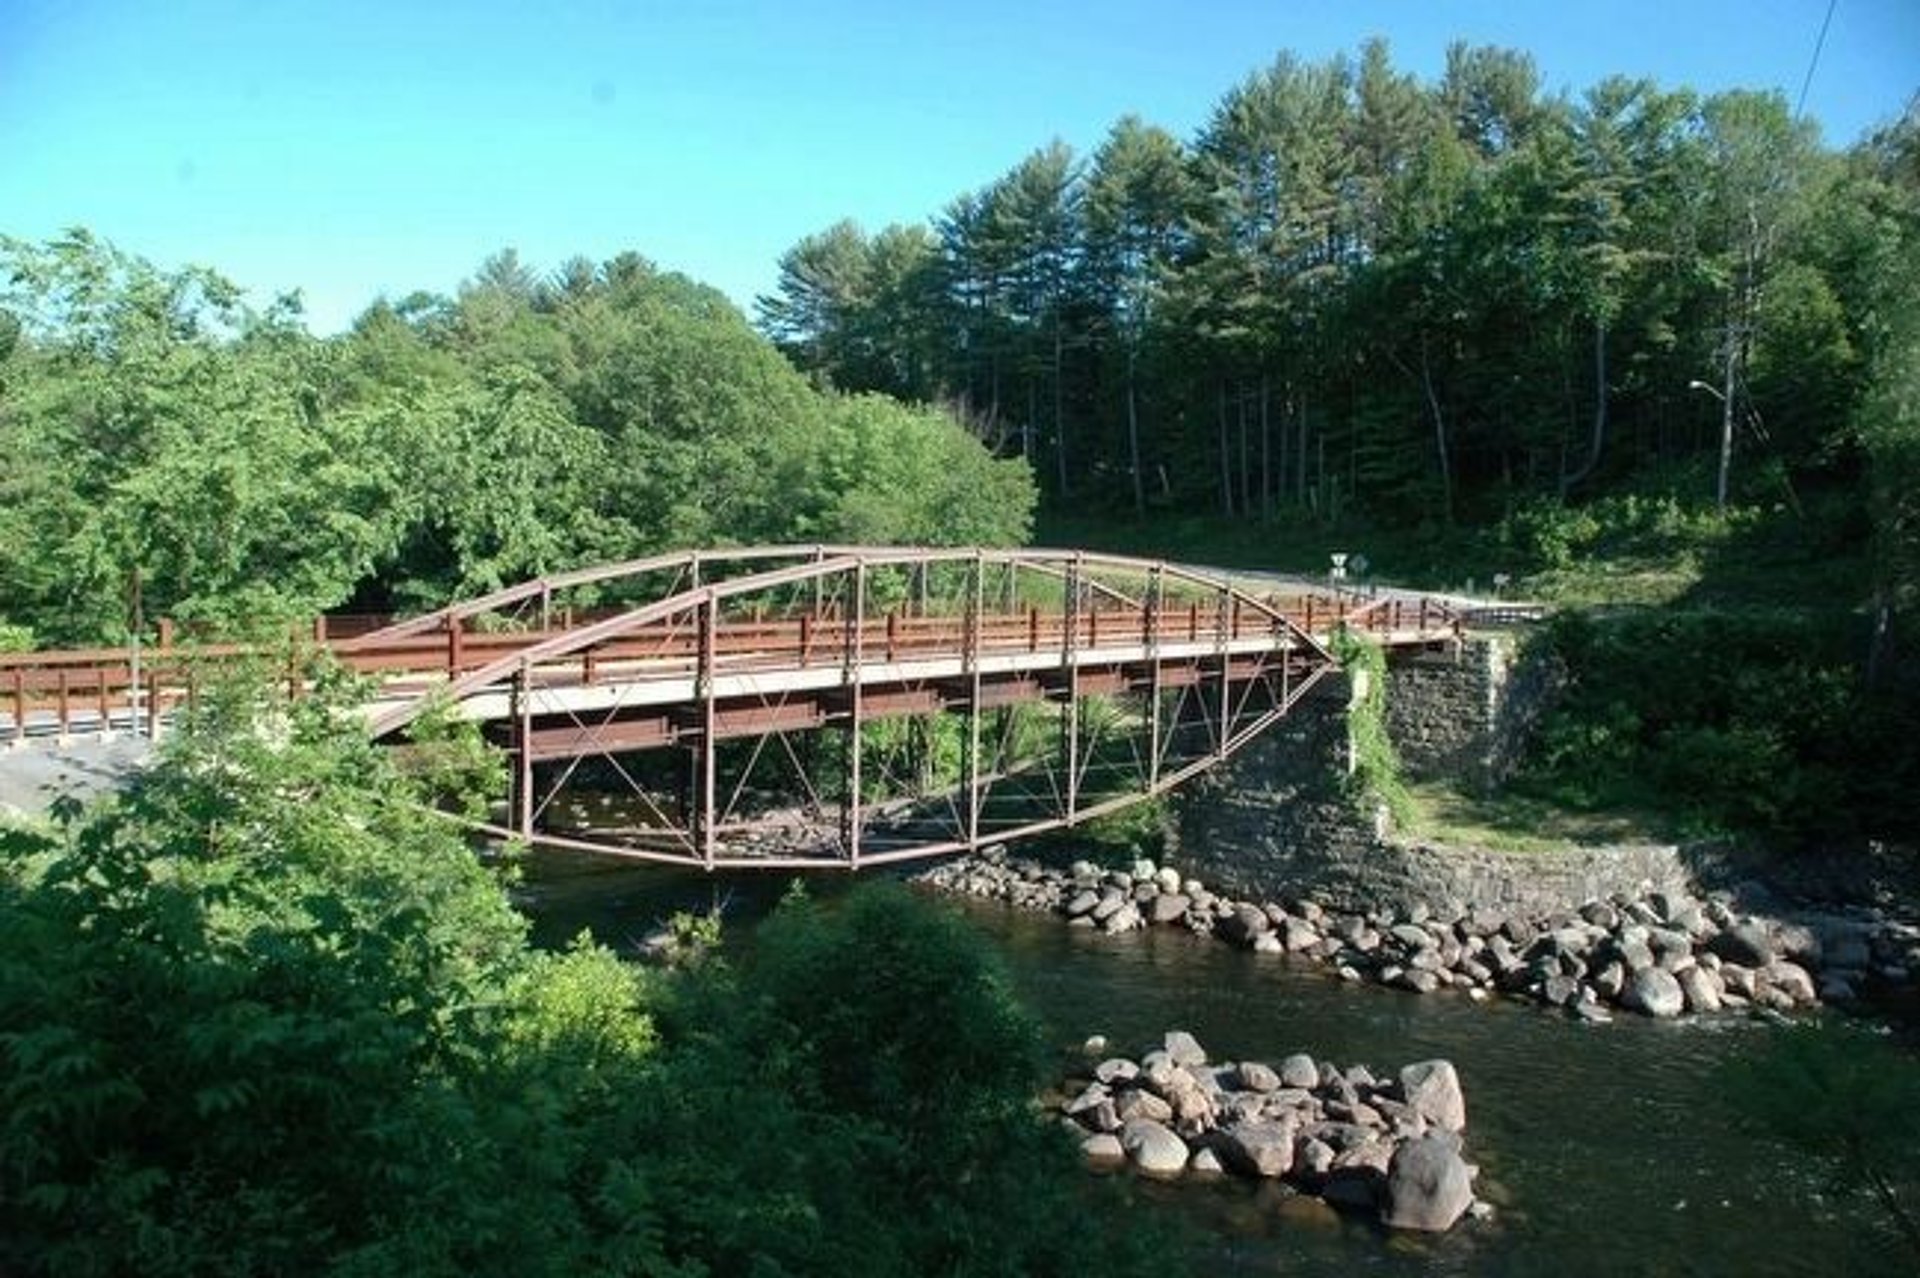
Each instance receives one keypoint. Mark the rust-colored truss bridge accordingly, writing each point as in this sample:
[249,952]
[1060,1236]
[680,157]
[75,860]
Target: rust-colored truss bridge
[814,706]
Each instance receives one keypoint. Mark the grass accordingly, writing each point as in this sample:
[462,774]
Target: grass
[1508,822]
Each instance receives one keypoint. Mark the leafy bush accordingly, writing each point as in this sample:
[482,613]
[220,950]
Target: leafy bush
[1749,721]
[269,1015]
[1376,765]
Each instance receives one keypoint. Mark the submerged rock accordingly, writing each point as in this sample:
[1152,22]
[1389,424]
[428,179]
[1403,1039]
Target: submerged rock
[1429,1186]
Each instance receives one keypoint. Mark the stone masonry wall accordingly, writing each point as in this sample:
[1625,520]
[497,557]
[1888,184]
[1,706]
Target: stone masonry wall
[1274,821]
[1467,713]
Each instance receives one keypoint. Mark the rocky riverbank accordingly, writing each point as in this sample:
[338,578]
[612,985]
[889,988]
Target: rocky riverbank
[1386,1146]
[1660,954]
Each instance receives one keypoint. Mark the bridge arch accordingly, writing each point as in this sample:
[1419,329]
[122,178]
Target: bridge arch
[802,642]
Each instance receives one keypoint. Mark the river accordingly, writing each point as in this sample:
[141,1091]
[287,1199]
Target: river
[1606,1149]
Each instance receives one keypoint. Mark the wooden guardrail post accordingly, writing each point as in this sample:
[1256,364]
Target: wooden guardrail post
[19,703]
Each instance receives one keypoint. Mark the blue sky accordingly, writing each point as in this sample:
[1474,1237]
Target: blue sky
[352,148]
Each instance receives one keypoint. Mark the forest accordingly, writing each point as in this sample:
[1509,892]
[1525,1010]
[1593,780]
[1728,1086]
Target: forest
[1425,303]
[1634,347]
[250,473]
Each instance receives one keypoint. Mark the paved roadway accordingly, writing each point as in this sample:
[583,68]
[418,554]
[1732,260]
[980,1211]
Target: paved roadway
[33,776]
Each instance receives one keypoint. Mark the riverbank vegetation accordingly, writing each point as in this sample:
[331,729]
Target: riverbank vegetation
[267,1013]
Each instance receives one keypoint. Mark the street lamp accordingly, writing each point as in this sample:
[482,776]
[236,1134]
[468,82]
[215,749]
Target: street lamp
[1726,427]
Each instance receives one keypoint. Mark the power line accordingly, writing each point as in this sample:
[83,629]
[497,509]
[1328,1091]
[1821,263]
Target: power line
[1814,62]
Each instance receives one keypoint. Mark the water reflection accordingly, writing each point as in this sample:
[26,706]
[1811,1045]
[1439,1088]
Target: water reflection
[1606,1149]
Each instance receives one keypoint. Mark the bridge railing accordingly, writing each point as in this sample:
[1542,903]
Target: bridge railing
[1116,600]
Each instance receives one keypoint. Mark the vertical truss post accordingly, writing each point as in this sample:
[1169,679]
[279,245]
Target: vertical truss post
[975,605]
[523,750]
[709,630]
[1070,609]
[856,651]
[819,582]
[1224,628]
[1226,669]
[546,607]
[1286,668]
[1156,601]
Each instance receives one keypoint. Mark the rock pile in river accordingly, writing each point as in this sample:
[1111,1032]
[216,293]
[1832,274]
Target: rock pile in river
[1390,1146]
[1659,954]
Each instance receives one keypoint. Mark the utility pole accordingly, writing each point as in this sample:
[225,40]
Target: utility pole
[1726,425]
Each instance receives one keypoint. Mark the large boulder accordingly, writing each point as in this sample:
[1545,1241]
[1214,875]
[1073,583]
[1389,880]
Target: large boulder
[1139,1104]
[1702,989]
[1429,1186]
[1299,1070]
[1242,924]
[1257,1077]
[1431,1089]
[1183,1049]
[1083,903]
[1744,943]
[1792,980]
[1168,907]
[1153,1148]
[1258,1149]
[1103,1150]
[1655,992]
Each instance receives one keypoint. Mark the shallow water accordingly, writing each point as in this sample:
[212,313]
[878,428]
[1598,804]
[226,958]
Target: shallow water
[1606,1149]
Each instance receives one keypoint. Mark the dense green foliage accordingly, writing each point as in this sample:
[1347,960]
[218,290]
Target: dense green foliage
[247,470]
[270,1015]
[1735,719]
[1356,293]
[1375,775]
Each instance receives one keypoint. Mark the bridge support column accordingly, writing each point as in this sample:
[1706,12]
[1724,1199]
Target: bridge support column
[706,816]
[974,607]
[1226,670]
[1156,602]
[855,656]
[523,752]
[1070,628]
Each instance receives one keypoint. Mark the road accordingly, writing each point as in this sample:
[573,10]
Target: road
[32,777]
